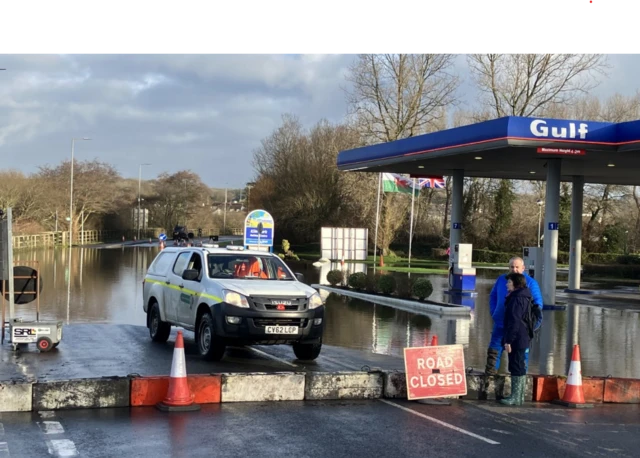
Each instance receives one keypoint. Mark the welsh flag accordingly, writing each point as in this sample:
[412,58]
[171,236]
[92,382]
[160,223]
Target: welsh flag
[392,182]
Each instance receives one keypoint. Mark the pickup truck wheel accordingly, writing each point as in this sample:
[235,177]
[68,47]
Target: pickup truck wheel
[209,346]
[158,330]
[307,352]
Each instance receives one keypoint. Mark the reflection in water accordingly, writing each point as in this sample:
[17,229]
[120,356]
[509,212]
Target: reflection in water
[105,286]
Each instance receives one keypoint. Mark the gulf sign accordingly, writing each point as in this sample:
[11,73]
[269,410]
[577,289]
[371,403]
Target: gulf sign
[435,372]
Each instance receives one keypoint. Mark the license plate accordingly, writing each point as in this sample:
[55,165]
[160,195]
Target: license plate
[281,329]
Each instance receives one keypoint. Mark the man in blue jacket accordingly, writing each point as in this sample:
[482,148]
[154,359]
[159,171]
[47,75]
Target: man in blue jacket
[496,308]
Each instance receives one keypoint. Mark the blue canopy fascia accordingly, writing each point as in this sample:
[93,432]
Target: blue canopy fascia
[502,132]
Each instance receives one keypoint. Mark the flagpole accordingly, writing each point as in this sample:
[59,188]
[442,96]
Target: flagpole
[375,243]
[413,195]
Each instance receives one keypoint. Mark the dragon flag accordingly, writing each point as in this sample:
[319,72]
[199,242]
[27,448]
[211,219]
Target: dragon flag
[393,182]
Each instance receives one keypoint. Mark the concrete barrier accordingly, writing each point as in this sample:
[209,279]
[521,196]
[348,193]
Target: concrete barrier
[286,386]
[148,391]
[262,386]
[395,385]
[343,385]
[16,396]
[82,393]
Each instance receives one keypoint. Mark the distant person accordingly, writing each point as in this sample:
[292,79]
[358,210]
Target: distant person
[496,308]
[516,335]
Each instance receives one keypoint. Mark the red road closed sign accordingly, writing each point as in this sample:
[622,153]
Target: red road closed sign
[435,372]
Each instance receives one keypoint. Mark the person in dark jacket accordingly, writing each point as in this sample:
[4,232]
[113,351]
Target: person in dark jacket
[516,335]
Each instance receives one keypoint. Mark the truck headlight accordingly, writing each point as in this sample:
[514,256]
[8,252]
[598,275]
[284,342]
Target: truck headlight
[315,301]
[237,299]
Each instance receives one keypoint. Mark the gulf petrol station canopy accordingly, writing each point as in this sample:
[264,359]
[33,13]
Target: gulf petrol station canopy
[511,147]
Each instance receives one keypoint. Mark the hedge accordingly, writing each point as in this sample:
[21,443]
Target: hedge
[388,284]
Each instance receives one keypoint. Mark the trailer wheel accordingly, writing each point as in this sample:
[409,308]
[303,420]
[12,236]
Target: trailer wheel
[44,344]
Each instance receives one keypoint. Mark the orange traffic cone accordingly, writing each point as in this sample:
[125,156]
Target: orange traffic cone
[434,341]
[178,398]
[573,393]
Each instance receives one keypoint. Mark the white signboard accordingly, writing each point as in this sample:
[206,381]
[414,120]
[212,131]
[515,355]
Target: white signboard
[339,243]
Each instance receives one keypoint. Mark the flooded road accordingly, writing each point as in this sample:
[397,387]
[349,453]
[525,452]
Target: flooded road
[106,287]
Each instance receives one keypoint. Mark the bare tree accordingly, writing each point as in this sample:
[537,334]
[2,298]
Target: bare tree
[395,96]
[524,84]
[96,190]
[180,199]
[298,181]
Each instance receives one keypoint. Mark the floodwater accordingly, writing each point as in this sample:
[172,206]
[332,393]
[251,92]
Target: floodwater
[106,287]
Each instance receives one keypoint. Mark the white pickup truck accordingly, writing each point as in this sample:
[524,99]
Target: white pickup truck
[232,296]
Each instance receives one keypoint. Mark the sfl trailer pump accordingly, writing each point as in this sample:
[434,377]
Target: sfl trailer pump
[45,334]
[21,285]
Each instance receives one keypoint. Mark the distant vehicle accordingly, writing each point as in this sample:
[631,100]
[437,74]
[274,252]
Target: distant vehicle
[181,233]
[232,296]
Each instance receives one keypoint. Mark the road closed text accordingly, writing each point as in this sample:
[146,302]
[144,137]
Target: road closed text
[435,371]
[423,381]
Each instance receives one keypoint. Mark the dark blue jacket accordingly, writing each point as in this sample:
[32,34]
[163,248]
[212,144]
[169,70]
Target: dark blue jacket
[515,330]
[499,294]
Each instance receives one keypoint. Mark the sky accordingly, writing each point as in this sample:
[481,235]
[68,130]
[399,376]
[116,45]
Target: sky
[205,113]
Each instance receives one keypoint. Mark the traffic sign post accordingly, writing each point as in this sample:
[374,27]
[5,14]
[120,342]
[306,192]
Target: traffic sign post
[6,264]
[258,231]
[435,372]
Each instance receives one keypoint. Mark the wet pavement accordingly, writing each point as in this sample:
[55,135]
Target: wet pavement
[328,428]
[98,350]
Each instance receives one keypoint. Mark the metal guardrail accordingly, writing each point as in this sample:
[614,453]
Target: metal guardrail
[60,238]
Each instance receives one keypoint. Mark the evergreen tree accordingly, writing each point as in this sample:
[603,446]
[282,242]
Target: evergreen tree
[502,212]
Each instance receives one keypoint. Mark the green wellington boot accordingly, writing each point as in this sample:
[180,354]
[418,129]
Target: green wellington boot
[522,382]
[517,391]
[511,399]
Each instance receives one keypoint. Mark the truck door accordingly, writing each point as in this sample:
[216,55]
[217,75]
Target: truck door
[175,285]
[188,300]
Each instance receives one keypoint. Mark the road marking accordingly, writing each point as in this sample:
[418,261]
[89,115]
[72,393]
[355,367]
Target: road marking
[62,447]
[440,422]
[260,352]
[51,427]
[4,450]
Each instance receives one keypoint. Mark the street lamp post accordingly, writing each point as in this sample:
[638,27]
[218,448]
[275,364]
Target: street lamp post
[249,186]
[139,184]
[540,203]
[73,141]
[224,218]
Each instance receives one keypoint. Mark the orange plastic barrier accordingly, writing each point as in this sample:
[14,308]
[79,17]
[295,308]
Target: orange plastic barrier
[547,388]
[622,390]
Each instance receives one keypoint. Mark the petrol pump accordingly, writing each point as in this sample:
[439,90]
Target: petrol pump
[532,257]
[462,276]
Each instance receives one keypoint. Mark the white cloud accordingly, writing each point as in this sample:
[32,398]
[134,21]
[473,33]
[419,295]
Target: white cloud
[181,138]
[139,108]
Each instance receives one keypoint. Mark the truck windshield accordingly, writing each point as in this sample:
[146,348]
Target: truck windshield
[250,267]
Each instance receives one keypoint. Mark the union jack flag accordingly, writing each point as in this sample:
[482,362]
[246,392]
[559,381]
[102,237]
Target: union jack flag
[434,182]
